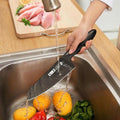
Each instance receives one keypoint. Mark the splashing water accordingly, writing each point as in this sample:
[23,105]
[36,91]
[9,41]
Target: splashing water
[26,106]
[67,81]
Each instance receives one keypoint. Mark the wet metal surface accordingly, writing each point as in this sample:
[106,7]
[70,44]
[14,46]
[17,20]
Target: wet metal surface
[92,80]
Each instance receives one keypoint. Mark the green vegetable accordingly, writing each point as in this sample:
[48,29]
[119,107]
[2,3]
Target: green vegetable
[19,8]
[26,22]
[81,111]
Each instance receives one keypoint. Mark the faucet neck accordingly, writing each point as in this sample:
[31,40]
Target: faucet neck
[51,5]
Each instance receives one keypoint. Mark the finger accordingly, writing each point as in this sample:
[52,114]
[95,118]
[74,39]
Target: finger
[82,50]
[74,46]
[88,44]
[69,41]
[72,59]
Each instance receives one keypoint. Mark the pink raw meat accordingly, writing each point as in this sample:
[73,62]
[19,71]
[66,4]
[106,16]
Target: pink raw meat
[58,16]
[30,6]
[36,20]
[27,7]
[40,4]
[36,14]
[58,11]
[29,14]
[47,20]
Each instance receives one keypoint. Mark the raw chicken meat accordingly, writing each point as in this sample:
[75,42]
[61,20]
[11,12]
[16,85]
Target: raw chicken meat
[36,20]
[47,20]
[58,16]
[30,6]
[36,14]
[30,13]
[58,11]
[27,7]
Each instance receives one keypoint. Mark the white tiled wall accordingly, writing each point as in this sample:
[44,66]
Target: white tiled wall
[109,21]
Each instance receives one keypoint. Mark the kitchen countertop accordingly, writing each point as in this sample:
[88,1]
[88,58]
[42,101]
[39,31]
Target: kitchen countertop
[9,43]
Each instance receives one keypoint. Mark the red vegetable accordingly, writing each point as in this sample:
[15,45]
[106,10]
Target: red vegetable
[61,118]
[39,116]
[51,118]
[58,118]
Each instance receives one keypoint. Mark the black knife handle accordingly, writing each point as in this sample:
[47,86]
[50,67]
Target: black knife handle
[90,36]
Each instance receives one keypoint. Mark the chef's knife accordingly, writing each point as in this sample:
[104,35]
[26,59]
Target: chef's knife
[53,75]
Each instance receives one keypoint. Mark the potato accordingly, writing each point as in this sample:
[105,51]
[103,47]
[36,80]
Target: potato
[21,113]
[62,102]
[42,102]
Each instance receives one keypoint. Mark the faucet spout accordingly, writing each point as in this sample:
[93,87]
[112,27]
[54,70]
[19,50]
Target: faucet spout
[51,5]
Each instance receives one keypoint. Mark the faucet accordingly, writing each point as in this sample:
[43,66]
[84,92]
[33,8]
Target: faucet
[51,5]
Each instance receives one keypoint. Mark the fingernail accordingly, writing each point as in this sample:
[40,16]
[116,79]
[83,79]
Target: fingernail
[88,44]
[71,51]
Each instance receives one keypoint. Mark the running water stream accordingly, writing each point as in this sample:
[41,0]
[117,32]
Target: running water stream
[56,35]
[67,81]
[57,48]
[26,106]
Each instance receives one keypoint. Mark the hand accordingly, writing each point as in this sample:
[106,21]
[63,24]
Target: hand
[77,36]
[93,12]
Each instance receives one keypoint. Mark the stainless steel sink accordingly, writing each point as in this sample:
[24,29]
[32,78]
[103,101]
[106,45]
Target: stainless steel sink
[92,80]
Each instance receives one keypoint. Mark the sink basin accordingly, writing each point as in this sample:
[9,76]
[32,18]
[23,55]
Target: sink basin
[92,80]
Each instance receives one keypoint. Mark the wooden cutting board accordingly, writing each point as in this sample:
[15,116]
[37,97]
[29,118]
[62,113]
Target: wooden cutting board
[70,19]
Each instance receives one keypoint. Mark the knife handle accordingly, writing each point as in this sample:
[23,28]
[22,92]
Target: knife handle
[90,36]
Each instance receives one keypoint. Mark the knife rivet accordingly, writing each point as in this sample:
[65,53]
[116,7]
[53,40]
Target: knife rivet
[61,63]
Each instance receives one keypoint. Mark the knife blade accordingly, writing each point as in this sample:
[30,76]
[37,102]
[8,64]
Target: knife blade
[53,75]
